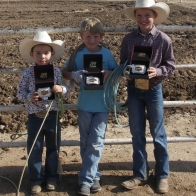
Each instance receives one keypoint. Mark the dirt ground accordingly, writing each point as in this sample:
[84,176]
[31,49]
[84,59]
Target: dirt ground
[116,162]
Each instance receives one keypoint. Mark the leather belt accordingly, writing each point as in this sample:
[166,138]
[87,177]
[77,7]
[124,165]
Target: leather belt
[151,84]
[42,114]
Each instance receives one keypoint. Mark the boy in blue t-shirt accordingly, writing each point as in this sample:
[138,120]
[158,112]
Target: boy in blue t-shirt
[92,112]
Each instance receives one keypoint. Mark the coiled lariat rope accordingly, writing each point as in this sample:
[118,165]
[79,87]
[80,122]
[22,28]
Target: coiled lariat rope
[71,65]
[17,135]
[33,147]
[59,114]
[59,169]
[110,93]
[13,137]
[111,86]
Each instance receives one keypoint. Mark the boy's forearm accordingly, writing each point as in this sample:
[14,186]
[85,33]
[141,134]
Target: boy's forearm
[66,74]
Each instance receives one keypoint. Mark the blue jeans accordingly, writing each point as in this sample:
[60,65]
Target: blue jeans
[152,101]
[36,172]
[92,128]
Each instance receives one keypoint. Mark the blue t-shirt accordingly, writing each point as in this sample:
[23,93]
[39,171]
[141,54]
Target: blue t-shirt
[93,100]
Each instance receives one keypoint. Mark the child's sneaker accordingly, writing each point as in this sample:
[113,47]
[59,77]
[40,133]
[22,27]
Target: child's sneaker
[84,190]
[35,189]
[51,185]
[96,186]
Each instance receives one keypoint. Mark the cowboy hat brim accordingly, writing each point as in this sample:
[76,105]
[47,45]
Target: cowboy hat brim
[162,9]
[27,43]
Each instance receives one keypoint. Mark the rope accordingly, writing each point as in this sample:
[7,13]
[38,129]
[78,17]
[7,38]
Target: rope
[71,65]
[9,181]
[18,135]
[62,110]
[60,102]
[14,137]
[32,147]
[111,87]
[110,93]
[72,57]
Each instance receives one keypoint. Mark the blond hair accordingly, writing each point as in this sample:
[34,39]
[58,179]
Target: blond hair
[93,25]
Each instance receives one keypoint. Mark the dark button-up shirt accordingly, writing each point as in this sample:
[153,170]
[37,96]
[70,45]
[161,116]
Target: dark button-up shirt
[162,58]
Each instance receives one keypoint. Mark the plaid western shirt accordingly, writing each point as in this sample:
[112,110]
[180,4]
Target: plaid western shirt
[162,58]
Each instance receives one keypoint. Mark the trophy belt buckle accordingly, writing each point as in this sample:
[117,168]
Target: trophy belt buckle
[92,80]
[142,84]
[41,114]
[138,69]
[44,92]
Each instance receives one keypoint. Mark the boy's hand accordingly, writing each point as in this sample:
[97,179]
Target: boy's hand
[57,89]
[126,72]
[106,75]
[152,72]
[78,75]
[34,97]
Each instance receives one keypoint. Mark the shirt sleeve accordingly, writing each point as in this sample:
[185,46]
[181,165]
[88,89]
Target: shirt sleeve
[112,62]
[60,81]
[168,64]
[124,50]
[25,90]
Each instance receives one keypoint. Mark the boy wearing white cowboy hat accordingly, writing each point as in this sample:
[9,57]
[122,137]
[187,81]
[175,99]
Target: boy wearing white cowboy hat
[41,51]
[146,13]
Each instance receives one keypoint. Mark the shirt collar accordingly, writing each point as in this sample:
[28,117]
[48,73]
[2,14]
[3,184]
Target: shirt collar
[34,64]
[152,32]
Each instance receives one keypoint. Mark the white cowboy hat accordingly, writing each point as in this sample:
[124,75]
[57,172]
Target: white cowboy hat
[162,9]
[41,37]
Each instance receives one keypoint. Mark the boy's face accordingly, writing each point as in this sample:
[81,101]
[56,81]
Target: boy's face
[91,41]
[42,54]
[145,19]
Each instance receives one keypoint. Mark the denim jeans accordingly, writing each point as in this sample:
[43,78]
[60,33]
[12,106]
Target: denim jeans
[92,128]
[36,172]
[152,101]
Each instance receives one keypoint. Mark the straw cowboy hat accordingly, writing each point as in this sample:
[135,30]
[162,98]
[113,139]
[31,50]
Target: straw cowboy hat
[41,37]
[162,9]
